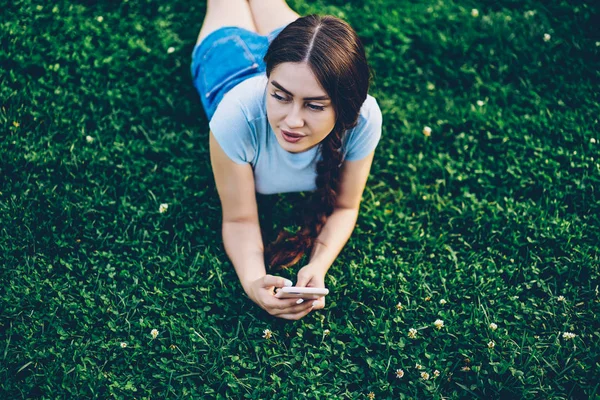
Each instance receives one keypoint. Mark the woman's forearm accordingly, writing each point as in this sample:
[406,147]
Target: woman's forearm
[333,237]
[244,246]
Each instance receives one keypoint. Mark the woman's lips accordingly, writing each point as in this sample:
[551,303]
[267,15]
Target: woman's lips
[292,134]
[291,137]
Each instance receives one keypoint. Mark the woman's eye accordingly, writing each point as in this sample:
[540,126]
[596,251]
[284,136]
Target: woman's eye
[278,97]
[316,107]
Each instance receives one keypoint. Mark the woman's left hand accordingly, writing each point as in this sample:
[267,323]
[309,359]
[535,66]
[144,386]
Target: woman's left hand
[312,276]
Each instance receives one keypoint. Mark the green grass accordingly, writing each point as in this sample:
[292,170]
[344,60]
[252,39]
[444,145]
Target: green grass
[497,212]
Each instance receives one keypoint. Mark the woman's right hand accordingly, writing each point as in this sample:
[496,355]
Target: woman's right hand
[262,292]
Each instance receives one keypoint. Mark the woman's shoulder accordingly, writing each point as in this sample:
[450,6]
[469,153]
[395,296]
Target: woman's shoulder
[369,111]
[364,137]
[249,95]
[369,120]
[239,120]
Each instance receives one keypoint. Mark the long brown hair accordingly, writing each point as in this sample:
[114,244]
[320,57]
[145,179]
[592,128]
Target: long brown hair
[337,58]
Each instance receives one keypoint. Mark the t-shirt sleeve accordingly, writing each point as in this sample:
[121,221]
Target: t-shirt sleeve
[233,131]
[363,139]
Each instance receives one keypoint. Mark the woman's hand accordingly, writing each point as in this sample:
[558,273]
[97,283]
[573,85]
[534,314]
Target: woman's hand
[312,276]
[262,290]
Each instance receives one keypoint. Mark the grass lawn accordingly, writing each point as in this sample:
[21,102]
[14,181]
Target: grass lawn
[490,224]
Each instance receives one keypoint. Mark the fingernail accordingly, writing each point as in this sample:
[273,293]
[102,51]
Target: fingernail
[288,283]
[314,303]
[300,301]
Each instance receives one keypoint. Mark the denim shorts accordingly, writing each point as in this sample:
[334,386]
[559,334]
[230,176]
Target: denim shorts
[225,58]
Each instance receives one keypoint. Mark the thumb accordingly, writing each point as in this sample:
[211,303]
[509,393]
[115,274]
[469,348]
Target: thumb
[319,304]
[275,281]
[303,279]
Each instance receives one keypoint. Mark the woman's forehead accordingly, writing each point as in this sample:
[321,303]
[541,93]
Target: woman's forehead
[297,79]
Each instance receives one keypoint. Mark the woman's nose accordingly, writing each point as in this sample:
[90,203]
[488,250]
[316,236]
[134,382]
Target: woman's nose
[294,118]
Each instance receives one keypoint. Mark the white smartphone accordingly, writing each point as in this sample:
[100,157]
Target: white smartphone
[301,292]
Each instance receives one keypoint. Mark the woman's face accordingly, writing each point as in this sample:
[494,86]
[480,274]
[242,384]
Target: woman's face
[298,108]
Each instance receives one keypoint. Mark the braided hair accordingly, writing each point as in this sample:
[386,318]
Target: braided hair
[337,58]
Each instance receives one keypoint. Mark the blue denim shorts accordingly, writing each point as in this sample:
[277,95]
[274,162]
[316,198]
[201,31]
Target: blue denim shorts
[225,58]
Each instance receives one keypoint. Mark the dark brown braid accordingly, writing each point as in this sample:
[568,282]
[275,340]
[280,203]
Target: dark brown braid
[336,56]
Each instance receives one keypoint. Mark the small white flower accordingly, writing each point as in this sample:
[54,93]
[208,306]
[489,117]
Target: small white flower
[399,306]
[123,344]
[399,373]
[89,139]
[418,366]
[443,301]
[493,326]
[474,13]
[480,103]
[568,335]
[154,333]
[412,333]
[424,376]
[491,344]
[547,37]
[439,324]
[171,50]
[326,332]
[560,298]
[436,373]
[100,18]
[267,334]
[163,208]
[427,131]
[592,140]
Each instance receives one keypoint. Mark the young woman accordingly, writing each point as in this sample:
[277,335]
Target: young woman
[289,112]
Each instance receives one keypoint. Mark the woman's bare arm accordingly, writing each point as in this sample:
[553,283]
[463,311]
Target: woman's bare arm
[341,223]
[242,236]
[241,230]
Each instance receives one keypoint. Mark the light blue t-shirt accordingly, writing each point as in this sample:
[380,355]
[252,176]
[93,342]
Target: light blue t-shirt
[241,128]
